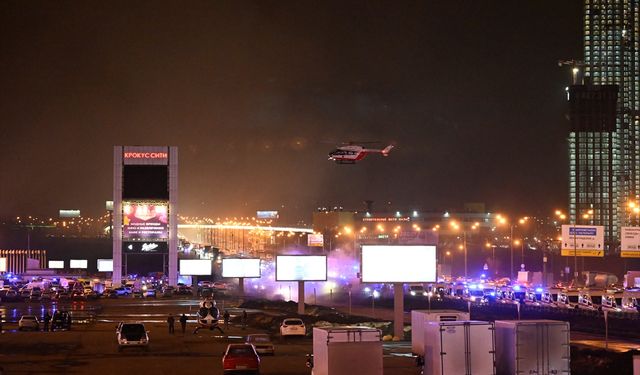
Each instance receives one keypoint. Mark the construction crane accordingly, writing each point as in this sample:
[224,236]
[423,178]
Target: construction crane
[574,64]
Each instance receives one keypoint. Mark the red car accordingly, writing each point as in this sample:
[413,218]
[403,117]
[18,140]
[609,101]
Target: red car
[240,359]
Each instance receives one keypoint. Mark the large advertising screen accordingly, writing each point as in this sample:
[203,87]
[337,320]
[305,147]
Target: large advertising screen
[398,264]
[78,263]
[301,268]
[145,221]
[240,267]
[195,267]
[105,265]
[56,264]
[3,264]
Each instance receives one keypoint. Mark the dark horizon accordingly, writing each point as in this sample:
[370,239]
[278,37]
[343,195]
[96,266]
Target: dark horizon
[255,94]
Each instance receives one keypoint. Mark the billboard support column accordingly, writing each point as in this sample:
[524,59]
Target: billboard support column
[300,297]
[116,228]
[173,216]
[398,310]
[241,286]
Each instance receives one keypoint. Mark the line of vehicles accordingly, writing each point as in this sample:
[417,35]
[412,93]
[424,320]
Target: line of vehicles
[78,290]
[612,300]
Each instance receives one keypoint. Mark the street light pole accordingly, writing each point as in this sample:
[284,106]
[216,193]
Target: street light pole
[464,235]
[511,243]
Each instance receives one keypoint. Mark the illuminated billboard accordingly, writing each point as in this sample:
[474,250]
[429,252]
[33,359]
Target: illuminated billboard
[3,264]
[301,268]
[315,240]
[240,267]
[398,264]
[195,267]
[78,263]
[267,214]
[150,247]
[145,221]
[56,264]
[105,265]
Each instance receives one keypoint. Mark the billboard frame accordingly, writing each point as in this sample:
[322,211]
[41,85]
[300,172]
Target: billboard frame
[182,274]
[98,264]
[326,267]
[86,267]
[435,247]
[244,277]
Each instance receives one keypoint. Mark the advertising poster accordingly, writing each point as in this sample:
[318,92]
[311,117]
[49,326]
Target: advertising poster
[301,268]
[315,240]
[583,240]
[145,221]
[630,242]
[398,264]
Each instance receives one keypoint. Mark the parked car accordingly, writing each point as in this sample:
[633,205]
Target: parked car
[28,322]
[562,301]
[219,285]
[132,335]
[530,299]
[292,327]
[262,343]
[61,320]
[150,293]
[46,295]
[168,291]
[240,358]
[417,290]
[122,291]
[609,303]
[585,302]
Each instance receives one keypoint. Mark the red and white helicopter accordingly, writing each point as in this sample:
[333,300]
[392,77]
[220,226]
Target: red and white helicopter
[350,153]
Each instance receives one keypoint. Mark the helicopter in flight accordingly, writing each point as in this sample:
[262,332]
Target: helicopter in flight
[351,152]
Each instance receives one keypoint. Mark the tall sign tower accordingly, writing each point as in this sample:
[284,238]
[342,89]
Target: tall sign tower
[145,204]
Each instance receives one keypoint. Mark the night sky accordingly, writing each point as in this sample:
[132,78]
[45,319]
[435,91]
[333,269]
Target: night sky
[255,94]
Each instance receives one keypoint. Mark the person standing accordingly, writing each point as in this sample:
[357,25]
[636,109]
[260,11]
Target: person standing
[46,319]
[170,321]
[244,319]
[226,319]
[183,323]
[69,320]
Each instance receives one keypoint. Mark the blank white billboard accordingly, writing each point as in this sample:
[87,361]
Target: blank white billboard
[195,267]
[3,264]
[240,267]
[301,268]
[56,264]
[105,265]
[78,263]
[398,264]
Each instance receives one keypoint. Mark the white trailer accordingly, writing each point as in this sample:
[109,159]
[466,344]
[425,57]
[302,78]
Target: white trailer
[347,351]
[459,348]
[419,318]
[532,347]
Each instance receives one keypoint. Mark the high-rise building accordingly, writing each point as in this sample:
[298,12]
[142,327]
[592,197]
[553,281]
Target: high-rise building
[611,57]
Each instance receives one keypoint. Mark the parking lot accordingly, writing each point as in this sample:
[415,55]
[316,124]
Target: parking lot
[90,346]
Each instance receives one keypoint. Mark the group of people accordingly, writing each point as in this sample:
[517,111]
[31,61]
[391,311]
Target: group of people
[171,320]
[58,320]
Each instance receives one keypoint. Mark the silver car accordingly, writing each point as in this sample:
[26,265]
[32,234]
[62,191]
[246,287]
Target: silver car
[132,335]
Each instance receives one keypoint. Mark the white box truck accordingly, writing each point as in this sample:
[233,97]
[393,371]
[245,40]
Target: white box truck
[420,317]
[347,351]
[459,348]
[532,347]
